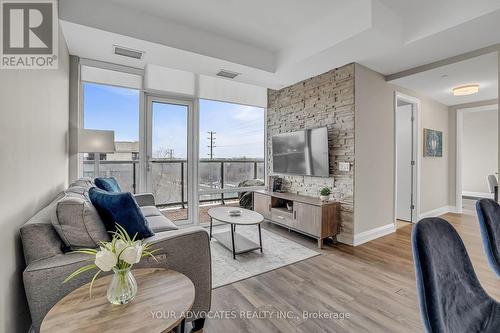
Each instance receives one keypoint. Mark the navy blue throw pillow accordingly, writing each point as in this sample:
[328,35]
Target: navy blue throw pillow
[108,184]
[120,208]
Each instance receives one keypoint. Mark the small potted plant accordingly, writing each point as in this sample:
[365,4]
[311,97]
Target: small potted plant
[118,255]
[324,194]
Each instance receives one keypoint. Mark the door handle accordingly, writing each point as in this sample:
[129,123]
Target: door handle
[295,215]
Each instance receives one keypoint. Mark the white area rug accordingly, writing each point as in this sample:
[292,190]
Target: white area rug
[278,252]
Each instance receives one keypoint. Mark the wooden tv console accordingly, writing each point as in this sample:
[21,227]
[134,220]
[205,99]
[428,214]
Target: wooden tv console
[308,216]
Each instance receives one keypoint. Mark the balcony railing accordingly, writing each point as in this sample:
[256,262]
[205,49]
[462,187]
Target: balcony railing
[218,178]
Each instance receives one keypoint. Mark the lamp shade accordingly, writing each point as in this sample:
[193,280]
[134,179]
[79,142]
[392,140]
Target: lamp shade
[96,141]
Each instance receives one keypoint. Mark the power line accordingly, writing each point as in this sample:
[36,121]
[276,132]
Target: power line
[241,144]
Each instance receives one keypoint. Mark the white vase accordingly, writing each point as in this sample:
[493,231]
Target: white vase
[324,198]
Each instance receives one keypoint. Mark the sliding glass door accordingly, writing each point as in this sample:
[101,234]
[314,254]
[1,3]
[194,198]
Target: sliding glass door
[169,166]
[231,154]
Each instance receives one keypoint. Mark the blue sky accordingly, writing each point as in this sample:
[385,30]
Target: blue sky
[239,128]
[112,108]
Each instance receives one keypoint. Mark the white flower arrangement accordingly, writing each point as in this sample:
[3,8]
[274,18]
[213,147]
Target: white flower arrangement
[121,253]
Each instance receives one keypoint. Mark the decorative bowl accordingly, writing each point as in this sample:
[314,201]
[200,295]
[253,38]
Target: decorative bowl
[234,212]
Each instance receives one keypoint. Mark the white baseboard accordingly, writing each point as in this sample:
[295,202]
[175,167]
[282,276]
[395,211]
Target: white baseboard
[478,194]
[438,212]
[372,234]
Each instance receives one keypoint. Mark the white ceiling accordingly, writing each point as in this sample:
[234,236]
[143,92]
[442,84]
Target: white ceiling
[424,18]
[439,82]
[275,43]
[260,23]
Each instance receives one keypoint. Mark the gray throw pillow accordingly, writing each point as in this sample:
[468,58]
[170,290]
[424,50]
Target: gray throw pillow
[79,190]
[77,222]
[83,182]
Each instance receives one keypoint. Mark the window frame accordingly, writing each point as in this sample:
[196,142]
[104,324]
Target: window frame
[141,181]
[136,186]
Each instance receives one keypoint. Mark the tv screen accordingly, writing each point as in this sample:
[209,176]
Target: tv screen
[301,153]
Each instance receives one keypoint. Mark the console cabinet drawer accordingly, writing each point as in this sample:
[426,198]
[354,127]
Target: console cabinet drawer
[282,217]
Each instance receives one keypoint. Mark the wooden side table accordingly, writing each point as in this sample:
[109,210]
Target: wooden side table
[163,297]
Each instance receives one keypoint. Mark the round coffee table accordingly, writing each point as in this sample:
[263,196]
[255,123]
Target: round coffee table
[230,239]
[162,300]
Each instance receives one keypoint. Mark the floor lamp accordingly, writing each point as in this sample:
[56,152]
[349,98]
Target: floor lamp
[96,142]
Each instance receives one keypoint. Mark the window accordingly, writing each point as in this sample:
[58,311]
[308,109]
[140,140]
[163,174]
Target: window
[231,142]
[113,108]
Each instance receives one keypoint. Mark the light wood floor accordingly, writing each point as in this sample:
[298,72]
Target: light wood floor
[374,283]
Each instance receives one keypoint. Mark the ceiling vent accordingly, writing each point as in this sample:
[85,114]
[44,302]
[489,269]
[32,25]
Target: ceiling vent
[126,52]
[228,74]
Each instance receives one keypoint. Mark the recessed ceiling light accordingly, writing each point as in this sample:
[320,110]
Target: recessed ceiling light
[466,90]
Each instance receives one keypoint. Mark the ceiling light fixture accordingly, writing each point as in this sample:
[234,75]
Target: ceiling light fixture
[466,90]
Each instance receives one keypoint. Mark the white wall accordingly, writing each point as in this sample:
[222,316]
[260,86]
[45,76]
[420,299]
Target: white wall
[452,126]
[34,167]
[479,150]
[374,149]
[434,178]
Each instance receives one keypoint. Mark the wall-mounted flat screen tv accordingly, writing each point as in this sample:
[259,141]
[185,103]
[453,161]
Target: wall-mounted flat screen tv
[301,153]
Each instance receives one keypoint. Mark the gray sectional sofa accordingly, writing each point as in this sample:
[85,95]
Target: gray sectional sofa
[49,260]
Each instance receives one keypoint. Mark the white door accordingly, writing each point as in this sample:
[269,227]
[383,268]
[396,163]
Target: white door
[404,163]
[169,164]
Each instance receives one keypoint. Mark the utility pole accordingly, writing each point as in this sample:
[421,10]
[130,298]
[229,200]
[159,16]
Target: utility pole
[212,143]
[170,153]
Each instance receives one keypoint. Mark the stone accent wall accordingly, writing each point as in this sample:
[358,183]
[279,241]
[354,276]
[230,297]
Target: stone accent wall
[324,100]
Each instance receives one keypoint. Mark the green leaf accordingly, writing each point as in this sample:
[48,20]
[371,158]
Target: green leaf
[79,271]
[92,282]
[123,233]
[87,251]
[152,251]
[148,253]
[148,245]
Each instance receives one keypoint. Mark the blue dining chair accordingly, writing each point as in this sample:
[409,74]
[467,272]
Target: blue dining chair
[451,298]
[488,214]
